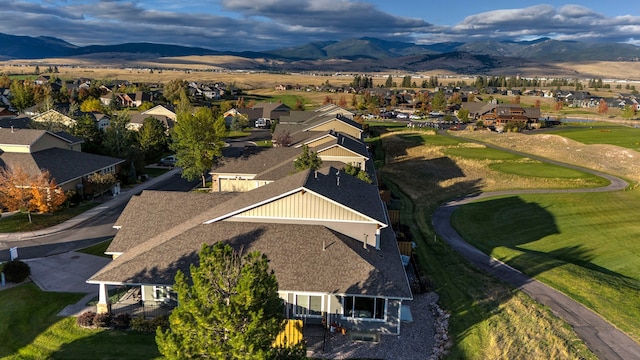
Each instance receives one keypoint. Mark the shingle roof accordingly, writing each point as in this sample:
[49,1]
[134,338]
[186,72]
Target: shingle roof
[262,159]
[303,257]
[63,165]
[20,136]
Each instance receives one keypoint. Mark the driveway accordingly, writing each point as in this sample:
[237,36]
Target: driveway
[66,272]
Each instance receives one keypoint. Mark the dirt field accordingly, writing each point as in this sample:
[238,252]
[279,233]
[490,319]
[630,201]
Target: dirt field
[212,68]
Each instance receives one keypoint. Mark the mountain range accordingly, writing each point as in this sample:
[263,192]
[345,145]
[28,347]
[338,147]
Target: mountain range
[370,54]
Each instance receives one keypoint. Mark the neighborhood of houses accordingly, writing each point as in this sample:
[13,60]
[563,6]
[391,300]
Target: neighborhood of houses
[329,235]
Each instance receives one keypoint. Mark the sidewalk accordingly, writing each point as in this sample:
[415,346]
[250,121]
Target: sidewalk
[114,201]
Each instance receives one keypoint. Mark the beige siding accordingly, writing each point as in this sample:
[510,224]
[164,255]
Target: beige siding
[336,151]
[14,148]
[147,293]
[47,142]
[355,161]
[340,127]
[320,141]
[304,206]
[237,185]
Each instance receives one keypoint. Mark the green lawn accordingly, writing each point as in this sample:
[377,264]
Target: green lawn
[545,170]
[581,244]
[97,249]
[481,153]
[20,222]
[436,140]
[30,329]
[623,136]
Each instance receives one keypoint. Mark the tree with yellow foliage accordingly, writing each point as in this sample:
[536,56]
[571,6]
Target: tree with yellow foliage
[22,191]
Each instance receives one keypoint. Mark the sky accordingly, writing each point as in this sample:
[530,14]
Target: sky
[256,25]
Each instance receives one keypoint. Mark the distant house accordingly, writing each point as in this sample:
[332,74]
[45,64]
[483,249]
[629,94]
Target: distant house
[102,121]
[502,114]
[265,110]
[6,113]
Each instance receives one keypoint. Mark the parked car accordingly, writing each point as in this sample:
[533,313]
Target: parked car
[168,161]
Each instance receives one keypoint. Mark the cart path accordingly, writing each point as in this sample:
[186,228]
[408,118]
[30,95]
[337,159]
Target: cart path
[602,338]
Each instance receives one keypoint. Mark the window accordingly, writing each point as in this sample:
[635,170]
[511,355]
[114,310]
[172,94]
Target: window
[164,294]
[308,305]
[364,307]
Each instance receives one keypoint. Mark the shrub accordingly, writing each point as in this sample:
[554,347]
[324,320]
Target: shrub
[102,320]
[16,271]
[143,325]
[86,319]
[121,321]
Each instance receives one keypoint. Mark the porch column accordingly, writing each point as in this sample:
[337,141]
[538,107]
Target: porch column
[103,305]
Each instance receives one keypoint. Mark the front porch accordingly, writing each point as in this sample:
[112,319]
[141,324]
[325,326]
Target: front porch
[130,302]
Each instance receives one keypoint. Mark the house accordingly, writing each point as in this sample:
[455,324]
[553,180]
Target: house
[5,93]
[6,113]
[161,112]
[58,153]
[260,166]
[501,114]
[326,234]
[102,121]
[266,110]
[336,123]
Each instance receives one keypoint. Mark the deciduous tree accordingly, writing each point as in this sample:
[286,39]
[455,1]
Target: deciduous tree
[20,190]
[603,108]
[197,141]
[152,139]
[229,310]
[102,181]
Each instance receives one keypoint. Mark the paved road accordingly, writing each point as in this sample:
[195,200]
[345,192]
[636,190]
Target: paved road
[606,341]
[89,228]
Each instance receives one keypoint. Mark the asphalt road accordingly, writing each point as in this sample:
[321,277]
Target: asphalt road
[602,338]
[89,232]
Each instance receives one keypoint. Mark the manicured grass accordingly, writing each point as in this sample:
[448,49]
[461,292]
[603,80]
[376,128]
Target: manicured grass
[545,170]
[481,153]
[488,319]
[581,244]
[20,222]
[97,249]
[623,136]
[30,329]
[264,143]
[238,134]
[437,140]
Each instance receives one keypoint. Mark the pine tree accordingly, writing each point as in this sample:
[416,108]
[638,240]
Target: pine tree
[232,310]
[307,160]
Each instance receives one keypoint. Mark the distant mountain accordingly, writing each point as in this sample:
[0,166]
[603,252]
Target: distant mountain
[367,53]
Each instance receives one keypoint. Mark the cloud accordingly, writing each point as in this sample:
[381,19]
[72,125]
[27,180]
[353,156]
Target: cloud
[269,24]
[569,22]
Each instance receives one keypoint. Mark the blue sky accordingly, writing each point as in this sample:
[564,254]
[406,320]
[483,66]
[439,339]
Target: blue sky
[240,25]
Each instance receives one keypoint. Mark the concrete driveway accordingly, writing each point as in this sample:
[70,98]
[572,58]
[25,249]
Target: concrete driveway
[66,272]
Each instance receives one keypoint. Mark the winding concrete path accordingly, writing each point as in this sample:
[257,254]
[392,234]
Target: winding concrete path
[602,338]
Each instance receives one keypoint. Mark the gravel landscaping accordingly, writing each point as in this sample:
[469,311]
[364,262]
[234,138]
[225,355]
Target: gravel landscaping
[416,341]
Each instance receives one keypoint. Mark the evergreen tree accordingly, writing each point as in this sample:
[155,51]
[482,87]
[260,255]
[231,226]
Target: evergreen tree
[307,160]
[231,311]
[389,82]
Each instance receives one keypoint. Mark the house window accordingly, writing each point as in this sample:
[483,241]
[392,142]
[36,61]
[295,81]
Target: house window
[308,305]
[364,307]
[164,294]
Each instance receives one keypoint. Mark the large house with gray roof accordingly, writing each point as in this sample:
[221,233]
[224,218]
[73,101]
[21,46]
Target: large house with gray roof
[326,234]
[59,153]
[260,166]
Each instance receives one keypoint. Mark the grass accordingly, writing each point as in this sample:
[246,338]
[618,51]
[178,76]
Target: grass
[19,222]
[488,319]
[97,249]
[537,169]
[623,136]
[238,134]
[30,329]
[481,153]
[577,243]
